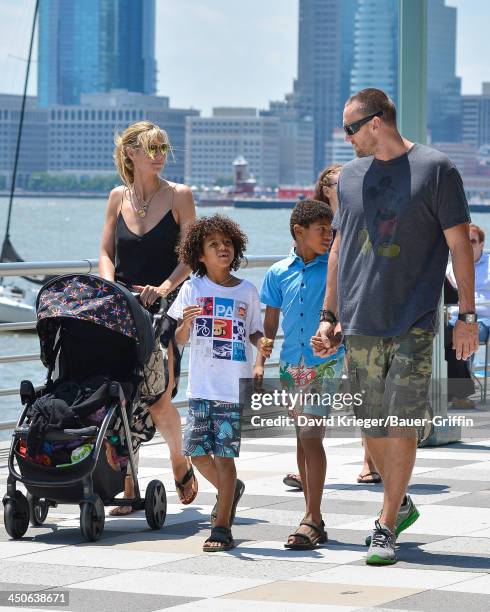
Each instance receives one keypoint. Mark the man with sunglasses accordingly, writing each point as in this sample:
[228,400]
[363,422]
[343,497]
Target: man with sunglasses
[402,207]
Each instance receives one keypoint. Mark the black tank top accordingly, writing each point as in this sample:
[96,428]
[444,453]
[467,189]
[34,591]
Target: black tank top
[148,259]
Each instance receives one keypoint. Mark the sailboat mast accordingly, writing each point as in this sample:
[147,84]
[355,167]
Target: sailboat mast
[19,131]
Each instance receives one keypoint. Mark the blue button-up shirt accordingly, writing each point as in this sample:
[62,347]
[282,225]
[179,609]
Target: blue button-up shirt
[298,290]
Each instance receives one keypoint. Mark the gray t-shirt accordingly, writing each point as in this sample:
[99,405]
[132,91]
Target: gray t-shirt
[393,253]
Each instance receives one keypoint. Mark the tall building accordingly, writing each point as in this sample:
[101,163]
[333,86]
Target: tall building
[347,29]
[476,118]
[81,137]
[213,144]
[376,47]
[443,86]
[375,62]
[337,150]
[296,143]
[317,88]
[88,46]
[33,151]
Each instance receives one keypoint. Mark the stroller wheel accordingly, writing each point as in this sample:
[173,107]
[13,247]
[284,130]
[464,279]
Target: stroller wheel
[92,519]
[38,510]
[16,515]
[155,504]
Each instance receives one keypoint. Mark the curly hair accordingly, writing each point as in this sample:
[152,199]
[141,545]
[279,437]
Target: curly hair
[308,211]
[191,248]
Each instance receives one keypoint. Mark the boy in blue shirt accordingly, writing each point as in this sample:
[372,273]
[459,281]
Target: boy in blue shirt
[295,286]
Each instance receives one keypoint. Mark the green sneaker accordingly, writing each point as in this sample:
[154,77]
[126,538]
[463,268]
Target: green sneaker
[407,515]
[382,548]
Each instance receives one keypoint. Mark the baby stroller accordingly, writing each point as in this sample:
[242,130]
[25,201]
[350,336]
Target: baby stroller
[73,443]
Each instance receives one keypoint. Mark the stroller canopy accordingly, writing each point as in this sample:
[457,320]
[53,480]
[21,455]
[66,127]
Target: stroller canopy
[89,298]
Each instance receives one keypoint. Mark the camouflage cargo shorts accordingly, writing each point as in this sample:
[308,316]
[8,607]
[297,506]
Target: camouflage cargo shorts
[393,375]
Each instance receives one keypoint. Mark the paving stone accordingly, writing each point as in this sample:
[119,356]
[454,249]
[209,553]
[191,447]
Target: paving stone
[50,575]
[325,594]
[109,601]
[446,483]
[443,600]
[480,499]
[232,566]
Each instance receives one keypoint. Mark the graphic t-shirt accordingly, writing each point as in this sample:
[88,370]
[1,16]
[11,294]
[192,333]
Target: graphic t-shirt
[221,352]
[393,252]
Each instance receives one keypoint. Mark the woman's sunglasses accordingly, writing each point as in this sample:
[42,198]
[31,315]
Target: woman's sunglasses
[155,149]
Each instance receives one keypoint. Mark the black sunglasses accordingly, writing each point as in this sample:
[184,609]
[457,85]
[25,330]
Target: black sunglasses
[351,128]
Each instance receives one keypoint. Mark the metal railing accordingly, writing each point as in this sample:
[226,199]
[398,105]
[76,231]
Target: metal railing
[85,266]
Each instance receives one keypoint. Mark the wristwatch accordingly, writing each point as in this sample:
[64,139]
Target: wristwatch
[468,317]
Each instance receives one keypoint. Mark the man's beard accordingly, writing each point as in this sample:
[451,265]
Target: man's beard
[362,153]
[365,151]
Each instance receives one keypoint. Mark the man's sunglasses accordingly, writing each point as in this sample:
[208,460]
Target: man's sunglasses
[352,128]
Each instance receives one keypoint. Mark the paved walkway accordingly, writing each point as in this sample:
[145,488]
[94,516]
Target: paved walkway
[444,558]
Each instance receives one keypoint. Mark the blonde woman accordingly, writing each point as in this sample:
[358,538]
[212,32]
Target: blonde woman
[144,220]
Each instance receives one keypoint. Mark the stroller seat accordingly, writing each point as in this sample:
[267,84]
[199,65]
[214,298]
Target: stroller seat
[73,441]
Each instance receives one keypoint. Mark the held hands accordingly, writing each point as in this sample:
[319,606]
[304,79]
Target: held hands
[265,346]
[150,294]
[327,339]
[264,349]
[465,339]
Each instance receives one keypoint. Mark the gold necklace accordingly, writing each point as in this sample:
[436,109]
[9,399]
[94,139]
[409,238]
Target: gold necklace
[227,280]
[143,205]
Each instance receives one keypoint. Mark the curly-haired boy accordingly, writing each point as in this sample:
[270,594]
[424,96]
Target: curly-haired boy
[221,315]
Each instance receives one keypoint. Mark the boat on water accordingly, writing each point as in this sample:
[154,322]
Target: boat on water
[17,304]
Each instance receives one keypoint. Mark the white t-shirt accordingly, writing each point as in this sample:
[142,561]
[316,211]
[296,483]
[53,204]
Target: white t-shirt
[221,352]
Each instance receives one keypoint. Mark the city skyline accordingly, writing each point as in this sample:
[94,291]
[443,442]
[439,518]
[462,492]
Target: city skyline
[252,75]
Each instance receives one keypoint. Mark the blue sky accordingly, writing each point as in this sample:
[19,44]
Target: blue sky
[230,52]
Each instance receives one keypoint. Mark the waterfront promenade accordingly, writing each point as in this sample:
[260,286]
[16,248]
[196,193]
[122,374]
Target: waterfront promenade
[445,556]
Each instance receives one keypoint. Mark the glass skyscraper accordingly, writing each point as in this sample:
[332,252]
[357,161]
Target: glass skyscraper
[348,22]
[88,46]
[376,61]
[376,47]
[317,88]
[443,86]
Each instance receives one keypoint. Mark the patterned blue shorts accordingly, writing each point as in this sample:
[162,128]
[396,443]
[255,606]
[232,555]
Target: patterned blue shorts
[212,428]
